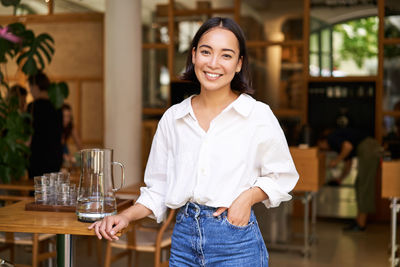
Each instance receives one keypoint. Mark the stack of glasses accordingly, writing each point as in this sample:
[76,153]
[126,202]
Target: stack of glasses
[54,189]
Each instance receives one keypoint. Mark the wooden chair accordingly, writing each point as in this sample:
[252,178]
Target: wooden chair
[142,238]
[37,241]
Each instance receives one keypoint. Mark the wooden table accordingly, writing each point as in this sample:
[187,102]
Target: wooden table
[14,218]
[391,190]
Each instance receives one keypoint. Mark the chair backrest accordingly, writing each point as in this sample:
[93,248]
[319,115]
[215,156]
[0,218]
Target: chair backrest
[164,227]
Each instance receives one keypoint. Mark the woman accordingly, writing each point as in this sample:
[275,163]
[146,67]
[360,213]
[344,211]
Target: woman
[213,156]
[69,131]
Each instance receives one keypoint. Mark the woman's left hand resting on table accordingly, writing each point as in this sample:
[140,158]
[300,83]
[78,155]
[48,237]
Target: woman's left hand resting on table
[109,226]
[239,211]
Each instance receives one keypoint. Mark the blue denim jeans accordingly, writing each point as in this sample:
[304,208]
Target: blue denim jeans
[200,239]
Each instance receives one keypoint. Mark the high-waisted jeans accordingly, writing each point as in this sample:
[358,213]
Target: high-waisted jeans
[200,239]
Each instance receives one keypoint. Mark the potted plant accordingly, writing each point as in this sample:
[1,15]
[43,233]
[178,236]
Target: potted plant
[31,53]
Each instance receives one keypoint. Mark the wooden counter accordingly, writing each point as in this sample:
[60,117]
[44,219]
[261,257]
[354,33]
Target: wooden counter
[391,179]
[310,164]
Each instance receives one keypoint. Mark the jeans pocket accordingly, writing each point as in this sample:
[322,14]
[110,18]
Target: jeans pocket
[228,223]
[179,217]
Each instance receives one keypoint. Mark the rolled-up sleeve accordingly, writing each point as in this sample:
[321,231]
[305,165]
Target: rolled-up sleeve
[152,195]
[278,175]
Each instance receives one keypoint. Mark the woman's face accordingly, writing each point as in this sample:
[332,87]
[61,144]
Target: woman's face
[66,117]
[216,59]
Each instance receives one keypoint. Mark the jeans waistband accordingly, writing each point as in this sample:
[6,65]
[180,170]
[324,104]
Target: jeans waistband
[194,209]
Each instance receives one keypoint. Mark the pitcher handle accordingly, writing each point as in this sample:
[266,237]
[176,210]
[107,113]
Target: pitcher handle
[123,175]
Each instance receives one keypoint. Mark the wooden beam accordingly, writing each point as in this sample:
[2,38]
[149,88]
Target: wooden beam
[207,11]
[379,82]
[306,52]
[288,113]
[237,7]
[171,50]
[153,111]
[391,41]
[255,44]
[54,18]
[344,79]
[155,46]
[391,113]
[50,5]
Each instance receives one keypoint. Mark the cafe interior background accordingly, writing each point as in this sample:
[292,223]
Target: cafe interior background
[317,63]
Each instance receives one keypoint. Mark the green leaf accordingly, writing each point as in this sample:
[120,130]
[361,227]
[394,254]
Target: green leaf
[30,67]
[10,2]
[57,93]
[39,57]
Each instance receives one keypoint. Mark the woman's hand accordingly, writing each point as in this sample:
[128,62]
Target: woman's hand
[110,226]
[239,211]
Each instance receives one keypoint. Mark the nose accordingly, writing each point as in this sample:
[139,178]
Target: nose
[213,62]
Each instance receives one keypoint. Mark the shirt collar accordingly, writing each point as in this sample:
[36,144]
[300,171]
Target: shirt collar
[184,108]
[243,105]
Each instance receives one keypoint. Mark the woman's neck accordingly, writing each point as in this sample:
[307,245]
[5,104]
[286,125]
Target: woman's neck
[216,100]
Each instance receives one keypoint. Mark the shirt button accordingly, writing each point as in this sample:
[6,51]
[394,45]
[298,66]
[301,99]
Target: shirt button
[203,171]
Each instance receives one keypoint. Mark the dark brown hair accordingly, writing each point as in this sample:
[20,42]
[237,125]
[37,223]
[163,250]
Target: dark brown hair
[241,82]
[40,79]
[67,130]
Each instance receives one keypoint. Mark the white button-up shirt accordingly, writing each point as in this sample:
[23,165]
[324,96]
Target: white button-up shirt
[244,147]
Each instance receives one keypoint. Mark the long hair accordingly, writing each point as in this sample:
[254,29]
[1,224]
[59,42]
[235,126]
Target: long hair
[241,82]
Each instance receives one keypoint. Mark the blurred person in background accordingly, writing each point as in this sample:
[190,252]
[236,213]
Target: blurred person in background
[350,143]
[69,131]
[21,93]
[47,122]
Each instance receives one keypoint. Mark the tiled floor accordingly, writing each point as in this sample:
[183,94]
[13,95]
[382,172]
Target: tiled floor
[333,248]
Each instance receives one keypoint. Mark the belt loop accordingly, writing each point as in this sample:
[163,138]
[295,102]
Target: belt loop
[186,208]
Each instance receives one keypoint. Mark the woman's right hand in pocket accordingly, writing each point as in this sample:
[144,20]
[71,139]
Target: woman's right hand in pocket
[109,226]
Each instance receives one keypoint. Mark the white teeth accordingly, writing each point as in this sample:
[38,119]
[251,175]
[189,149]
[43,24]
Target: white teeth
[212,75]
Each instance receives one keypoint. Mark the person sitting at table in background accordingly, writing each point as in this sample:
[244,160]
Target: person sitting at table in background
[213,157]
[45,145]
[69,131]
[349,143]
[21,93]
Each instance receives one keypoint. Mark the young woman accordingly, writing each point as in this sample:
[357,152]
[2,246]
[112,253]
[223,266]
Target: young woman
[69,131]
[213,156]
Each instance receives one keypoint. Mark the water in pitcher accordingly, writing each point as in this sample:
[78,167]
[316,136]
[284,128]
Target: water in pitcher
[91,209]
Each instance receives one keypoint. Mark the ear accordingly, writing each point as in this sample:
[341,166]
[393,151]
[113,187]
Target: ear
[239,65]
[193,55]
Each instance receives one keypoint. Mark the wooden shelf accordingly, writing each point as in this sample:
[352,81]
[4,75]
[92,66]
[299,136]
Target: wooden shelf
[391,113]
[391,41]
[255,44]
[153,111]
[288,112]
[344,79]
[155,46]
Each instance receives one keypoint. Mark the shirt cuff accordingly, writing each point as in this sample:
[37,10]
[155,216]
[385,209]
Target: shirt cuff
[159,213]
[273,191]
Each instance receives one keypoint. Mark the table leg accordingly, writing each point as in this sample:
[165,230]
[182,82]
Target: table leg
[395,209]
[64,251]
[306,201]
[313,217]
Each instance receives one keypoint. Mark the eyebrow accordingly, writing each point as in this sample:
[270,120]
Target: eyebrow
[223,49]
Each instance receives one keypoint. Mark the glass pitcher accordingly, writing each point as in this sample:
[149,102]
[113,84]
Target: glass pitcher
[96,193]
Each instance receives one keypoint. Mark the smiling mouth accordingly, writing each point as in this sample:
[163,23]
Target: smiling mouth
[212,76]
